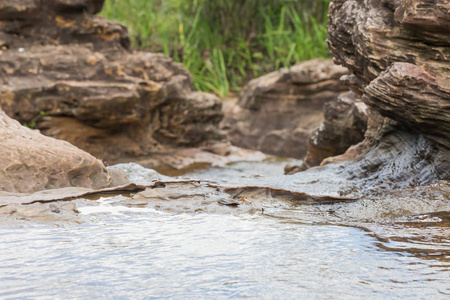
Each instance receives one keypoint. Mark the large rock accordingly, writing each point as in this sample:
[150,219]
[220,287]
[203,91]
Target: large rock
[345,125]
[31,162]
[61,60]
[413,97]
[398,52]
[276,113]
[53,22]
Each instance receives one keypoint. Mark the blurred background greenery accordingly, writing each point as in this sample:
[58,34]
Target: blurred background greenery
[225,43]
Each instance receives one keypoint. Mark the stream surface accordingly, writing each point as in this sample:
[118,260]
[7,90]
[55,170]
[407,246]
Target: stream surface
[365,249]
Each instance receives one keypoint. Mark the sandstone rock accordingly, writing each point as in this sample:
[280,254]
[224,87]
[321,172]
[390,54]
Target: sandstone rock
[368,36]
[377,128]
[31,162]
[277,112]
[401,160]
[43,212]
[398,53]
[413,97]
[345,124]
[52,22]
[61,60]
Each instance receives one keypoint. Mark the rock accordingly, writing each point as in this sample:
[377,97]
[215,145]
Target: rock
[189,121]
[293,169]
[53,22]
[345,124]
[368,36]
[277,112]
[168,195]
[61,211]
[398,54]
[412,97]
[177,162]
[63,61]
[402,159]
[31,162]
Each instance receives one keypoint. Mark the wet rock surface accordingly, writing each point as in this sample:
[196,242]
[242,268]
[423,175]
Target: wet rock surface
[390,157]
[276,113]
[31,162]
[59,211]
[59,59]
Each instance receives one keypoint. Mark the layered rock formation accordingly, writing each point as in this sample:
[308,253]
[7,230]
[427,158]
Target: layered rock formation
[277,113]
[398,53]
[31,162]
[59,59]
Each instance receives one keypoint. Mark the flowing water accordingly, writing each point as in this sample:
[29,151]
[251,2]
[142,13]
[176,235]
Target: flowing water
[395,247]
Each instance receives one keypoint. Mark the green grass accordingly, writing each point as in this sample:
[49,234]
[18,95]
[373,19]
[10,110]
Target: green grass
[224,43]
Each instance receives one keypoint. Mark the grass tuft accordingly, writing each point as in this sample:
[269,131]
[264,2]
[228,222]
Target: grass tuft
[224,43]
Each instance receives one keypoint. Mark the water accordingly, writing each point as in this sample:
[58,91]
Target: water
[209,256]
[336,251]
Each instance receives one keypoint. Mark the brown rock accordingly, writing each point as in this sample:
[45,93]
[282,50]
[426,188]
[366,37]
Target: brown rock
[51,22]
[398,53]
[412,97]
[368,36]
[345,124]
[277,112]
[74,67]
[31,162]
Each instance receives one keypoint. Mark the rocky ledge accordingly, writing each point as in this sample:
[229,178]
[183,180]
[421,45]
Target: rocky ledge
[59,60]
[398,53]
[277,113]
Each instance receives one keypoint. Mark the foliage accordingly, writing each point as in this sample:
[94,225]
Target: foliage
[224,43]
[32,123]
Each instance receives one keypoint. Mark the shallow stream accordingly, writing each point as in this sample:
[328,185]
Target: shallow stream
[395,247]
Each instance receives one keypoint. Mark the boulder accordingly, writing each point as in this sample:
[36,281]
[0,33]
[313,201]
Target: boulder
[31,162]
[276,113]
[398,53]
[413,97]
[61,61]
[52,22]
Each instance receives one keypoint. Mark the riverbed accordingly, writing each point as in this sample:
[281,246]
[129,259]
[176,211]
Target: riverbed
[371,248]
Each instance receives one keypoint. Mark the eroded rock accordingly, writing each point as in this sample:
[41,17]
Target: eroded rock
[413,97]
[345,125]
[59,59]
[398,54]
[31,162]
[60,211]
[276,113]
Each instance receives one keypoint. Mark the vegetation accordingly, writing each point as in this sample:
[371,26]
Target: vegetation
[224,43]
[32,123]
